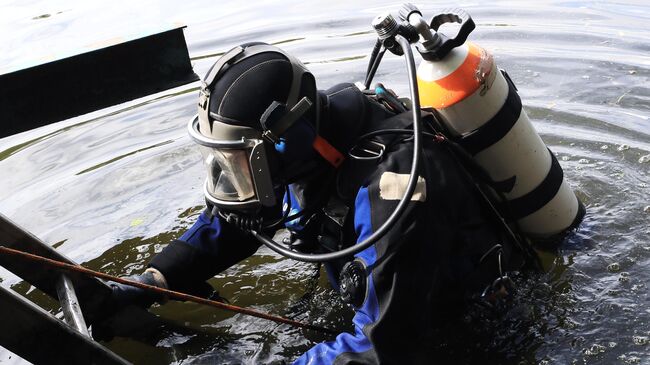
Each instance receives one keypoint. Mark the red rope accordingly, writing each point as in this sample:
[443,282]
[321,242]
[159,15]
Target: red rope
[169,293]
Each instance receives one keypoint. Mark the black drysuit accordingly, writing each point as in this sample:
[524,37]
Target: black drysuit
[418,274]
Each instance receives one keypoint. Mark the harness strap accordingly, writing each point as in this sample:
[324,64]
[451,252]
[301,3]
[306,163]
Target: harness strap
[327,151]
[235,56]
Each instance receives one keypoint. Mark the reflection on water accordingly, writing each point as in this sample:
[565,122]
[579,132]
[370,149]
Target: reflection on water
[111,188]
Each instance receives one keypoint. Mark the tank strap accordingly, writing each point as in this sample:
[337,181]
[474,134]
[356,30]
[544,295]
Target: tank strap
[497,127]
[499,209]
[541,195]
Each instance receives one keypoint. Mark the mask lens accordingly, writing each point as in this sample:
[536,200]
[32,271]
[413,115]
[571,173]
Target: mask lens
[229,176]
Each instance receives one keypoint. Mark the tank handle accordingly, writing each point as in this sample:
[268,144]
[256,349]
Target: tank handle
[445,44]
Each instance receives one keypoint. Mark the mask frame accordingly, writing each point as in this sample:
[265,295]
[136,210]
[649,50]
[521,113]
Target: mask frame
[257,163]
[227,136]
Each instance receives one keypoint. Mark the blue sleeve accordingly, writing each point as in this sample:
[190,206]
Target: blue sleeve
[357,342]
[210,246]
[214,236]
[205,234]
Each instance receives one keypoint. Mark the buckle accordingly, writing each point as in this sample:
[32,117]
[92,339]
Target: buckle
[367,150]
[270,137]
[204,97]
[502,288]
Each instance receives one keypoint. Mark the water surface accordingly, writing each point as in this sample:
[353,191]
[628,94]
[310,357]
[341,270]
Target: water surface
[111,188]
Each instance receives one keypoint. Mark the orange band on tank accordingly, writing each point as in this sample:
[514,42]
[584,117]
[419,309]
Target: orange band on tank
[456,86]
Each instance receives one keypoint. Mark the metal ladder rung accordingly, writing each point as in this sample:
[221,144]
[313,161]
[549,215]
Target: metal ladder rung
[70,305]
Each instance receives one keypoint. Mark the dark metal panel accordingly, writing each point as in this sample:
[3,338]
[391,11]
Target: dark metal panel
[92,293]
[39,337]
[72,86]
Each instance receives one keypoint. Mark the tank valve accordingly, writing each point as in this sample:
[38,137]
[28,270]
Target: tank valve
[385,25]
[387,28]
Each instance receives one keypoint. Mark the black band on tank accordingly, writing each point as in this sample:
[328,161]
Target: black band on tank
[579,216]
[496,128]
[541,195]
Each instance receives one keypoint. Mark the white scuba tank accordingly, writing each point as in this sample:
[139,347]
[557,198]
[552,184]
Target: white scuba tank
[480,107]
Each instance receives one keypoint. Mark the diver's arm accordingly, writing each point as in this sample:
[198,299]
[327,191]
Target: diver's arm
[210,246]
[207,248]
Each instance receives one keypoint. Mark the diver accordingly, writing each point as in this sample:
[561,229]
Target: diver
[331,167]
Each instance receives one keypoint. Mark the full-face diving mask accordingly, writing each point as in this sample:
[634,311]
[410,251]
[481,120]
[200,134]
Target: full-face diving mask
[235,152]
[238,170]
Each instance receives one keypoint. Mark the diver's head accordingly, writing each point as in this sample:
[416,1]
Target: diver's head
[256,126]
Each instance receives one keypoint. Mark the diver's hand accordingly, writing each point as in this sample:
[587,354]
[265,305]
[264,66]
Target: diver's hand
[124,295]
[126,303]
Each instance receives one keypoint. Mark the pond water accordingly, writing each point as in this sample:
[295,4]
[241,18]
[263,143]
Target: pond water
[111,188]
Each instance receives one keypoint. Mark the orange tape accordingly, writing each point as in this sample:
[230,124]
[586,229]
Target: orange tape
[327,151]
[454,87]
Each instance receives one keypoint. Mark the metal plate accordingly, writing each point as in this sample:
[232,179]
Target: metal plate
[37,336]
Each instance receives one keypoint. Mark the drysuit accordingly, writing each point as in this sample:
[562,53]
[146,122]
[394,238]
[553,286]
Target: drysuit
[438,253]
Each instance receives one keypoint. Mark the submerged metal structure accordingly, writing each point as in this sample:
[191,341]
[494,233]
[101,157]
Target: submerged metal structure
[33,95]
[33,333]
[92,79]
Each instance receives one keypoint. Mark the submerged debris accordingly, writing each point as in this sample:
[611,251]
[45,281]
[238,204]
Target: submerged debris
[614,267]
[595,349]
[624,278]
[630,359]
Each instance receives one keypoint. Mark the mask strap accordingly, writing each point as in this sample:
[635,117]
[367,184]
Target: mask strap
[276,119]
[211,77]
[231,57]
[275,125]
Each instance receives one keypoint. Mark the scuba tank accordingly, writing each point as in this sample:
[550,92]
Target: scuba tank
[480,109]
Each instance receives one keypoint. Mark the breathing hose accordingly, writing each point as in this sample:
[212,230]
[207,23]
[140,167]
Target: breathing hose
[403,203]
